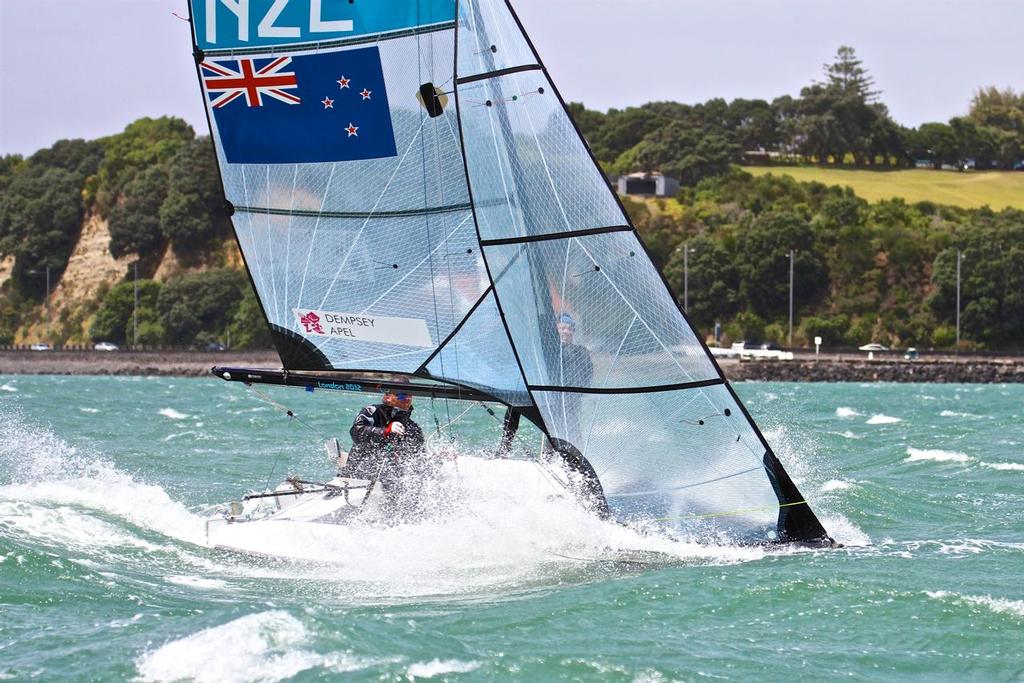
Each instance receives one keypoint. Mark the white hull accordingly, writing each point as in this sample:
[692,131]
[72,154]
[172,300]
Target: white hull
[307,507]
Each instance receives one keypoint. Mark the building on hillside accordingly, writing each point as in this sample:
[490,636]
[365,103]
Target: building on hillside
[648,184]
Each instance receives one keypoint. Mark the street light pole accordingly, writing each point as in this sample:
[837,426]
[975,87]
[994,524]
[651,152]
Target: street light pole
[791,258]
[686,277]
[48,304]
[959,258]
[135,308]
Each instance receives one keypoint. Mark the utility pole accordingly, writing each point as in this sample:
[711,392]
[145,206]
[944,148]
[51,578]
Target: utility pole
[135,308]
[959,258]
[791,258]
[47,304]
[686,277]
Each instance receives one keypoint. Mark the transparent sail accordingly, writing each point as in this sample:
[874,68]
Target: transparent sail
[411,196]
[618,376]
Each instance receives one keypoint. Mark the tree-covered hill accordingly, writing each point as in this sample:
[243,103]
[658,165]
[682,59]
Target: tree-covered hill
[839,120]
[154,191]
[148,199]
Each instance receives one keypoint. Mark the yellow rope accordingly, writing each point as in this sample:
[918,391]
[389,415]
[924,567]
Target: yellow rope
[733,512]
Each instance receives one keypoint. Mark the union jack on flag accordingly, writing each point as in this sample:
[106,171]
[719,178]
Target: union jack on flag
[270,80]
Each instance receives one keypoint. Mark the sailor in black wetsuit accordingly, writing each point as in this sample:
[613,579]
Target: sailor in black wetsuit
[575,370]
[385,440]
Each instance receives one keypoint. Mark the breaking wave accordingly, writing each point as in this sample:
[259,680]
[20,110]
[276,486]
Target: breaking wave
[935,455]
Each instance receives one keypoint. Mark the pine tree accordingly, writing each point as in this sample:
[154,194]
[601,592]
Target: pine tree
[847,75]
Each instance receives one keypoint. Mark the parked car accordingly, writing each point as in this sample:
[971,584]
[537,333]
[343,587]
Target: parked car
[40,346]
[910,354]
[873,346]
[105,346]
[216,346]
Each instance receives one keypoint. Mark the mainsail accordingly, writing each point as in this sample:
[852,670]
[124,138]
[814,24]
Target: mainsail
[411,196]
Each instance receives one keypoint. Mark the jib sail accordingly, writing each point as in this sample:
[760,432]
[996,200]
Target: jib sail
[410,195]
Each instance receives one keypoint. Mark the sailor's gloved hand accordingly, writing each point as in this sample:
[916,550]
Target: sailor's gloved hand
[394,429]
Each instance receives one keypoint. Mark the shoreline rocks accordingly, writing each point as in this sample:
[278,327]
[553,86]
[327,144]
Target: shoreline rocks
[947,369]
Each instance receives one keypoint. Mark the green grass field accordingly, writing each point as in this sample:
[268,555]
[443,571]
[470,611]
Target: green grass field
[997,189]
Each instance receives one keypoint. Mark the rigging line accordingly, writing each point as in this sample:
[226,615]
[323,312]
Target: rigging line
[287,411]
[312,240]
[685,486]
[352,361]
[416,267]
[544,468]
[362,228]
[731,512]
[423,166]
[270,255]
[607,375]
[288,236]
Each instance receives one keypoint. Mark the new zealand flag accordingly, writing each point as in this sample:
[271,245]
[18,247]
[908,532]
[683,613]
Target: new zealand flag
[300,109]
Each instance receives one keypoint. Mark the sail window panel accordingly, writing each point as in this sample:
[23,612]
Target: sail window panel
[480,356]
[687,457]
[426,172]
[529,171]
[416,276]
[626,328]
[489,39]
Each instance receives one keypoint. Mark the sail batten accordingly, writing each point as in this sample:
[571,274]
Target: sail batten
[411,196]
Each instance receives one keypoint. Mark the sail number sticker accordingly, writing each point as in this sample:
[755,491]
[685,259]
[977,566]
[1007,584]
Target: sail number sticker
[364,328]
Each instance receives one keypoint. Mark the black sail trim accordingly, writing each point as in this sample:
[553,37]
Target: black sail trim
[423,366]
[555,236]
[628,390]
[220,171]
[786,495]
[531,412]
[498,73]
[401,213]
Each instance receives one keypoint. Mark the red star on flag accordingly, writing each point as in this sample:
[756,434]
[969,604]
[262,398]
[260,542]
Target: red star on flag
[366,93]
[328,103]
[352,130]
[343,82]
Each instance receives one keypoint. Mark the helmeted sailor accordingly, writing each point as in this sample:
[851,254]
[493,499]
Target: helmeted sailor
[387,445]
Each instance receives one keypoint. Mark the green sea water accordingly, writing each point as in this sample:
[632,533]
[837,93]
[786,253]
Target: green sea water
[104,575]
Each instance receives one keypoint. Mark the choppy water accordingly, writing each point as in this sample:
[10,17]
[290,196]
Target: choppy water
[104,576]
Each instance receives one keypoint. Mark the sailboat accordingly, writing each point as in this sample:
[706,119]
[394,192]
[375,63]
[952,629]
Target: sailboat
[418,212]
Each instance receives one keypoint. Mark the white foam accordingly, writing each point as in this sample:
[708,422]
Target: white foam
[879,419]
[48,474]
[1006,466]
[172,414]
[67,528]
[197,582]
[438,667]
[262,646]
[936,455]
[953,413]
[847,412]
[7,387]
[835,485]
[998,605]
[505,531]
[89,410]
[846,434]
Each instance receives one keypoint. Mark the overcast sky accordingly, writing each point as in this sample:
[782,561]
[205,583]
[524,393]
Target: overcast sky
[86,68]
